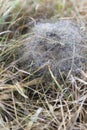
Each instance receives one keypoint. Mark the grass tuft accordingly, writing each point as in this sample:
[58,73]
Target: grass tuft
[27,102]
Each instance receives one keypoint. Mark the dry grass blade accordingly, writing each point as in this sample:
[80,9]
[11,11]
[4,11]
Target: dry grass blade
[54,79]
[18,87]
[81,80]
[76,115]
[34,119]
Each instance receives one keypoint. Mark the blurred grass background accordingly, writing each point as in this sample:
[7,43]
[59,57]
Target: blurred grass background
[27,104]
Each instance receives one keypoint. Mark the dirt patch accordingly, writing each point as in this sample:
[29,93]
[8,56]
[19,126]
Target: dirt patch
[61,45]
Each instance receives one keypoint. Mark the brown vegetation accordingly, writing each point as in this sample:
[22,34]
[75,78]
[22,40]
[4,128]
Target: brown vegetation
[36,94]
